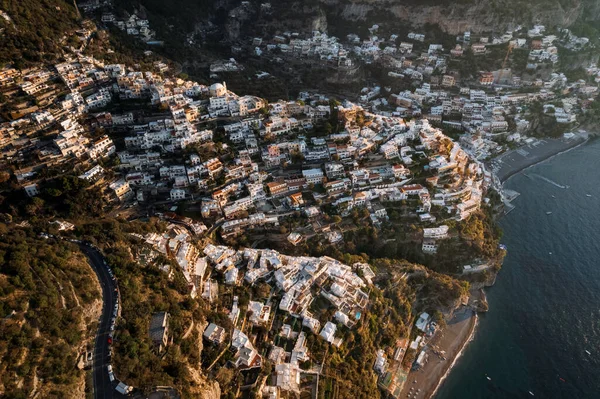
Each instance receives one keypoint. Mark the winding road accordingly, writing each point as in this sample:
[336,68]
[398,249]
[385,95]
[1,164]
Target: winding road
[103,387]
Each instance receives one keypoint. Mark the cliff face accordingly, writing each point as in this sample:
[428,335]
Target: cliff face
[474,15]
[203,387]
[452,16]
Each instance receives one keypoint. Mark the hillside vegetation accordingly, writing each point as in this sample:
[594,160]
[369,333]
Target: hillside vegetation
[145,290]
[49,302]
[33,30]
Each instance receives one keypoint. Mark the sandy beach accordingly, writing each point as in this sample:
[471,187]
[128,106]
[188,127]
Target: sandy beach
[451,340]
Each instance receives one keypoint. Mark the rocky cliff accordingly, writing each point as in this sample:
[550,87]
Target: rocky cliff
[452,16]
[203,387]
[474,15]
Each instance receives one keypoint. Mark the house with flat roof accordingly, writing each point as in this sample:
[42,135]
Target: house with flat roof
[159,330]
[214,334]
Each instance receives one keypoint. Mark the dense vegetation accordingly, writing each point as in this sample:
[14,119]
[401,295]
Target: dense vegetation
[544,124]
[145,289]
[64,196]
[46,292]
[35,29]
[476,238]
[173,21]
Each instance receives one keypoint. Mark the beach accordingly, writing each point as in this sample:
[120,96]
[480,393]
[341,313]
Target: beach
[514,161]
[450,342]
[447,345]
[543,317]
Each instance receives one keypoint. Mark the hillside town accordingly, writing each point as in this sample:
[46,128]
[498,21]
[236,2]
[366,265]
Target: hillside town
[294,307]
[494,105]
[270,160]
[224,169]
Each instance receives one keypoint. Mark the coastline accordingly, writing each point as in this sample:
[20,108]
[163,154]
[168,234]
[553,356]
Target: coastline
[465,343]
[451,341]
[549,157]
[537,360]
[448,345]
[432,375]
[524,162]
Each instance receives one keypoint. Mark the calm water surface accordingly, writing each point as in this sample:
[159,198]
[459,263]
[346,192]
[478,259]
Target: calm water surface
[545,307]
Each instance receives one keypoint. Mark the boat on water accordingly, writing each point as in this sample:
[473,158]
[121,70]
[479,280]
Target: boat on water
[588,352]
[531,393]
[489,379]
[588,195]
[548,213]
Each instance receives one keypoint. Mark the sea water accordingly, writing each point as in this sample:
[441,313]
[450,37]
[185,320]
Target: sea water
[545,306]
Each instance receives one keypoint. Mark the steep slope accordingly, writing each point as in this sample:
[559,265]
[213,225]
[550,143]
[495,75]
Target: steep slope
[33,30]
[234,20]
[145,290]
[458,16]
[49,299]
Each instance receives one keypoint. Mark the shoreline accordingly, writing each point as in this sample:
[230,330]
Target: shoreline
[540,159]
[549,157]
[474,318]
[464,345]
[450,341]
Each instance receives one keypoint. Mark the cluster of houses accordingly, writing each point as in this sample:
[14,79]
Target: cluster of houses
[255,178]
[346,184]
[53,131]
[299,281]
[132,25]
[493,105]
[389,364]
[411,57]
[316,46]
[278,134]
[176,243]
[445,97]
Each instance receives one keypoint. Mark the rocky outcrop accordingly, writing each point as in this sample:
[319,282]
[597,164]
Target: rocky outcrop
[453,17]
[319,22]
[480,17]
[202,387]
[211,391]
[338,17]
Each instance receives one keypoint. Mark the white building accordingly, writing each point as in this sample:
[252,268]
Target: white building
[328,332]
[422,322]
[313,176]
[177,194]
[32,190]
[436,232]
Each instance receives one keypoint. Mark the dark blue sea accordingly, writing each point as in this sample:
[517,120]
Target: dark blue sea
[545,306]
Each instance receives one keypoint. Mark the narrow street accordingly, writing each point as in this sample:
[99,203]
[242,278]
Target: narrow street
[103,387]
